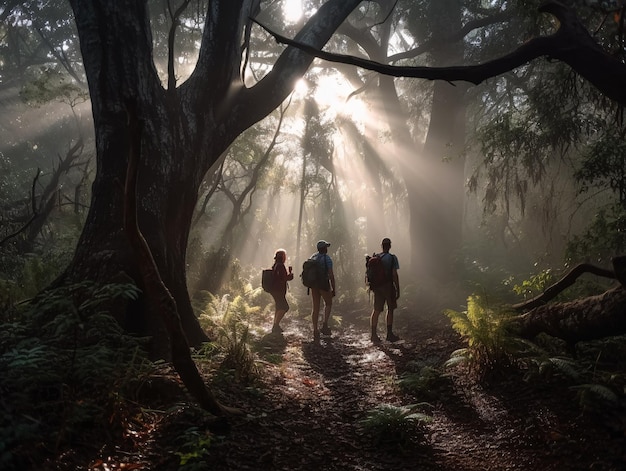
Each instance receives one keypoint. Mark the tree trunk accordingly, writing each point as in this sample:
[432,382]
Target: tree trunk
[186,129]
[437,209]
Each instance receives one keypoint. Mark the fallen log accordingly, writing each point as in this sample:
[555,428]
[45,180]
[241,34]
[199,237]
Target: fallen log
[590,318]
[594,317]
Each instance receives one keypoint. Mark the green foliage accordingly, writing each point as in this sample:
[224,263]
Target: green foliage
[216,271]
[535,285]
[194,444]
[423,384]
[23,276]
[603,166]
[487,332]
[67,366]
[397,425]
[604,238]
[541,363]
[52,85]
[230,322]
[595,389]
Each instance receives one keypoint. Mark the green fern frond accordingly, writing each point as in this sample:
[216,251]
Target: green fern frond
[486,329]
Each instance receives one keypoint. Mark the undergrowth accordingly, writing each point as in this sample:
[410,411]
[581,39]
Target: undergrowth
[230,323]
[67,367]
[492,349]
[486,329]
[396,425]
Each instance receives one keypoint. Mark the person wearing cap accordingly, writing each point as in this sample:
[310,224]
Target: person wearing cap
[326,290]
[388,293]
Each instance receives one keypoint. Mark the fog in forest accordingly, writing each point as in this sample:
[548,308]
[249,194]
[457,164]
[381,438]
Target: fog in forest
[156,154]
[349,157]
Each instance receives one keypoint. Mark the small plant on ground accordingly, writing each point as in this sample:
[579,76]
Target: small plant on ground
[230,323]
[486,329]
[399,425]
[423,385]
[193,445]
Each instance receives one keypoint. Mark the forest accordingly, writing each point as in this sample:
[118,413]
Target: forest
[157,155]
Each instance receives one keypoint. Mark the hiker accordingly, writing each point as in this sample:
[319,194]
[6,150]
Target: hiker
[279,289]
[325,290]
[388,292]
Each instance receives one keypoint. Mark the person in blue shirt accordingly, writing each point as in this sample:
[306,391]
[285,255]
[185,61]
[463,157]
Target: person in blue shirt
[388,293]
[326,291]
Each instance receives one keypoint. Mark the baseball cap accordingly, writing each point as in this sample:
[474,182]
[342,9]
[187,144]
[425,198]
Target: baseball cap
[386,241]
[321,244]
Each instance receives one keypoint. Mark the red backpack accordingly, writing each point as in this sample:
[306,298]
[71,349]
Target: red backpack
[375,272]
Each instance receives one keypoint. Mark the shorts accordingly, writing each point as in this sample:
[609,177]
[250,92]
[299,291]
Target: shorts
[385,294]
[281,301]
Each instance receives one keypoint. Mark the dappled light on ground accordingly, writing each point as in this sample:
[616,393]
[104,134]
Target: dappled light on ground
[308,412]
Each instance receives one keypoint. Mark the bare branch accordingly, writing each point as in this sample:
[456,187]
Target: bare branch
[571,44]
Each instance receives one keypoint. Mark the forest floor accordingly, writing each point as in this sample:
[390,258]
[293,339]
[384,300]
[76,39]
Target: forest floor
[307,411]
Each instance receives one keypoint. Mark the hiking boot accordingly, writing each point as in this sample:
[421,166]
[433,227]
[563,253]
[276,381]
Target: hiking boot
[277,329]
[375,339]
[325,330]
[391,337]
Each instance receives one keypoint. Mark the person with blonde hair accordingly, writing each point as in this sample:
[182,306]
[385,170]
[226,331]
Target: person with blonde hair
[279,289]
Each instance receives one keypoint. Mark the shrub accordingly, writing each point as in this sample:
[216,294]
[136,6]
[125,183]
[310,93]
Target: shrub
[487,332]
[66,367]
[398,425]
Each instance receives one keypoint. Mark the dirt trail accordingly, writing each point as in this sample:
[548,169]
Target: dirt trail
[308,418]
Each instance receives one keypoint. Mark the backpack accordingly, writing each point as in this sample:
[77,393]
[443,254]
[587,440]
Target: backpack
[375,272]
[267,279]
[312,273]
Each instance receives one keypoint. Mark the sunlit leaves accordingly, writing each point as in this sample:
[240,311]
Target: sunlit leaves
[486,329]
[51,85]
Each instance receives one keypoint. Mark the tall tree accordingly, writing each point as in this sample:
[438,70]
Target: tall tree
[185,128]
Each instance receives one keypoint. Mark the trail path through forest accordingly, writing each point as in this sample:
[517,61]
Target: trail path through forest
[309,417]
[307,413]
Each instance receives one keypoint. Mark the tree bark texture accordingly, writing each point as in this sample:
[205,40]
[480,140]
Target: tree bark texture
[158,296]
[590,318]
[186,129]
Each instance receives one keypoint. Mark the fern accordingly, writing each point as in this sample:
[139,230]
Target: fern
[486,331]
[423,384]
[395,424]
[230,323]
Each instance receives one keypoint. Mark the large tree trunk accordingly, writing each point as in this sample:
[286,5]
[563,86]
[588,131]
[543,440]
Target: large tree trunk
[437,200]
[186,129]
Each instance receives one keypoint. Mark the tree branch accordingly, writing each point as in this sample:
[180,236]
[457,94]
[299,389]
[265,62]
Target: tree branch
[33,208]
[571,44]
[565,282]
